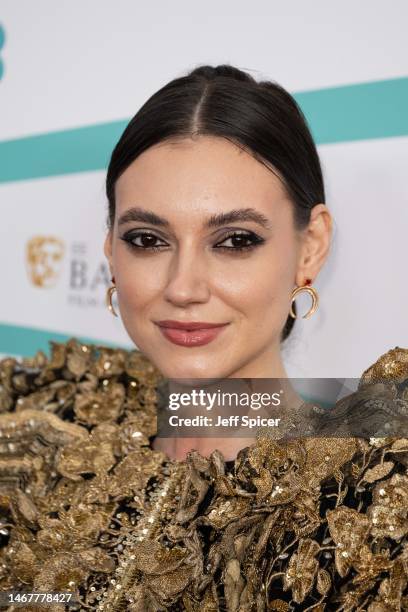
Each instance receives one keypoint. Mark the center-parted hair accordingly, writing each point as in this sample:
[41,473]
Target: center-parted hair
[258,116]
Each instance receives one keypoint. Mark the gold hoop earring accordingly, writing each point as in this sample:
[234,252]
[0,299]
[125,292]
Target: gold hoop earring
[109,294]
[314,295]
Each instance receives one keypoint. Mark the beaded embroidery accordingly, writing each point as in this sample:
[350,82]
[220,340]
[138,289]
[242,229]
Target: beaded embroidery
[87,505]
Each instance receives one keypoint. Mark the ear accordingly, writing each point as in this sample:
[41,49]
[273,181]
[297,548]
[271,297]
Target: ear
[316,243]
[107,249]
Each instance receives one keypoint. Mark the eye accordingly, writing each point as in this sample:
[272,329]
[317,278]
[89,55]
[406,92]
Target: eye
[146,241]
[240,241]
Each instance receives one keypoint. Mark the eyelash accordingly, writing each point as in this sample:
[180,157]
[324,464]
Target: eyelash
[256,241]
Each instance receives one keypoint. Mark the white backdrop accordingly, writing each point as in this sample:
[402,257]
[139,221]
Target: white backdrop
[71,65]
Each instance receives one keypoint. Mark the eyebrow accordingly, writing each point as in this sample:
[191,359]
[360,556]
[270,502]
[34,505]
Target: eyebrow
[217,220]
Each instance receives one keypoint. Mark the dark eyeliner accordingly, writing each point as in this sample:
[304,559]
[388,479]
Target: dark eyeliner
[255,241]
[130,236]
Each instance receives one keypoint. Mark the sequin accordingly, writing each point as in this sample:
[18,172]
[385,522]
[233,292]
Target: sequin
[91,507]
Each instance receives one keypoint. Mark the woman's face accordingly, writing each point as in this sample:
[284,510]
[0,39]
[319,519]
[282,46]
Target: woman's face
[183,209]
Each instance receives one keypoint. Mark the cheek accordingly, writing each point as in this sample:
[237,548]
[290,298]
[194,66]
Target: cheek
[138,293]
[138,282]
[259,288]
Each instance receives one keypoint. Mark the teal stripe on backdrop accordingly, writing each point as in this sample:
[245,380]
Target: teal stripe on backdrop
[361,111]
[357,112]
[26,341]
[69,151]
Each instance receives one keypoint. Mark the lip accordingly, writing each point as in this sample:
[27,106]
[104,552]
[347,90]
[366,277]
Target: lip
[188,325]
[190,333]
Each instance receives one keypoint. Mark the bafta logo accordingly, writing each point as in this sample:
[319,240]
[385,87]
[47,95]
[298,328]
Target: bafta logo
[44,255]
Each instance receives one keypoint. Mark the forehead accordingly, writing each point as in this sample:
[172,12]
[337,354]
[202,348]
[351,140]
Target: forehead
[201,173]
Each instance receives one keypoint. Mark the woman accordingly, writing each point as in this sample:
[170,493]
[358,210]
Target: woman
[216,223]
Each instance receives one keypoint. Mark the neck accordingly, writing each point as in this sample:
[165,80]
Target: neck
[265,365]
[177,448]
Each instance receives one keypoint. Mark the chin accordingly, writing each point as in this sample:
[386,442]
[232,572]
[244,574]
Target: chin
[187,369]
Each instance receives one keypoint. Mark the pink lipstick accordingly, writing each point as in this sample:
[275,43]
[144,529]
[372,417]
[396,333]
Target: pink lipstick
[190,333]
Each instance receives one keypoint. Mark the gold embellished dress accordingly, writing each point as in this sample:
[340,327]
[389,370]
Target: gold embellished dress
[88,506]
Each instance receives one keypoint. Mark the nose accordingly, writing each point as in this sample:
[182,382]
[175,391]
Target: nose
[187,280]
